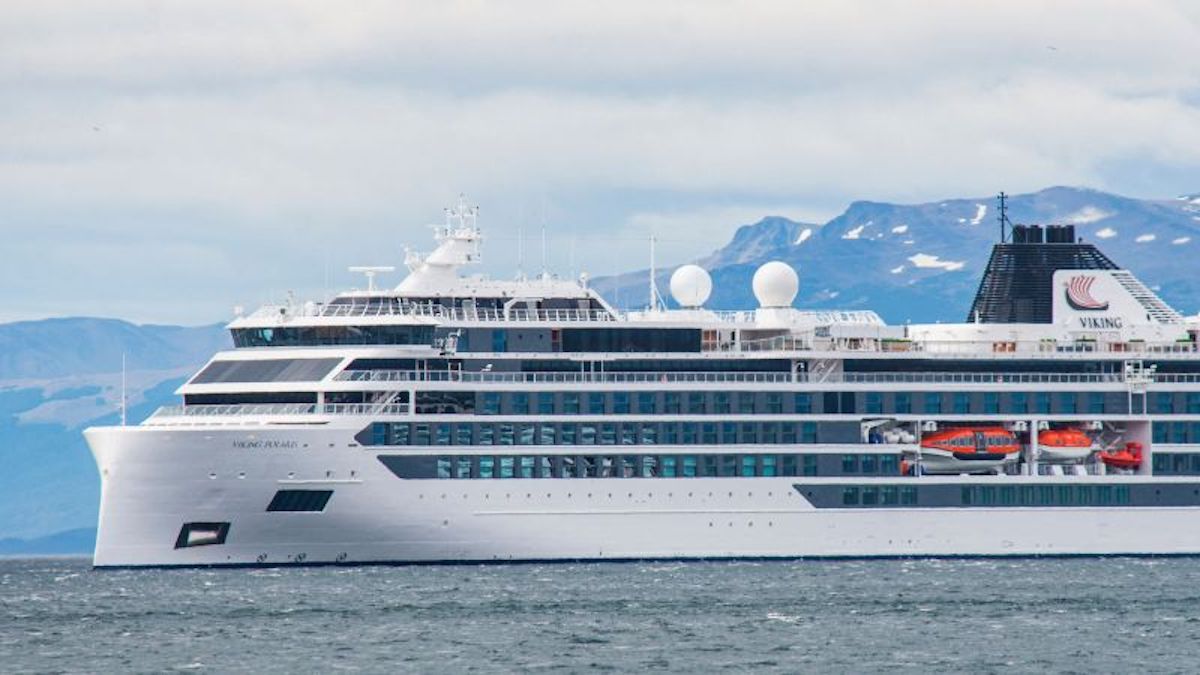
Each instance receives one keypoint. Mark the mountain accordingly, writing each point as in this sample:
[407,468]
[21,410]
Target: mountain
[922,262]
[58,377]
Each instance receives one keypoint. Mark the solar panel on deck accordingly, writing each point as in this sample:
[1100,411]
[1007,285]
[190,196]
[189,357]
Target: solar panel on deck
[266,370]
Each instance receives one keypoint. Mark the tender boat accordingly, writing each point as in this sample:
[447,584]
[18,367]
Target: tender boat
[1064,445]
[1128,458]
[968,450]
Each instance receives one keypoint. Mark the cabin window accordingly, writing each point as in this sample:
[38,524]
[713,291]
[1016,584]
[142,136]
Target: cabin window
[903,403]
[1193,403]
[850,496]
[645,403]
[868,464]
[769,463]
[991,403]
[962,403]
[721,403]
[668,467]
[487,467]
[1041,401]
[545,403]
[596,403]
[749,466]
[933,402]
[608,434]
[629,434]
[570,402]
[1164,402]
[1067,401]
[491,403]
[1019,402]
[621,403]
[688,466]
[774,403]
[649,434]
[671,403]
[803,403]
[442,434]
[745,403]
[873,403]
[525,434]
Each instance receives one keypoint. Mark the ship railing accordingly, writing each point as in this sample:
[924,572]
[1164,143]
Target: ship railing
[489,315]
[365,408]
[274,409]
[745,377]
[560,378]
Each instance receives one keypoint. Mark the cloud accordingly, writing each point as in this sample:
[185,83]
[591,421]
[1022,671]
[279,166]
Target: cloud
[279,140]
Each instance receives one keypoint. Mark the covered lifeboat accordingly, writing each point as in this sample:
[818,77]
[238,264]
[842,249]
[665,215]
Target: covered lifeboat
[1064,445]
[968,450]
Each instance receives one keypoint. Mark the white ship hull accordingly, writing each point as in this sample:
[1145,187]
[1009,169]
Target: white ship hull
[156,479]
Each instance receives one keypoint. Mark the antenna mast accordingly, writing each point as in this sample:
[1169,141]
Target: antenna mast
[1003,215]
[653,285]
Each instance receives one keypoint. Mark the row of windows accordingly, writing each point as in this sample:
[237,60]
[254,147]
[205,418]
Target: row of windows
[883,495]
[306,336]
[1045,495]
[650,466]
[774,403]
[1177,464]
[1176,432]
[992,495]
[591,433]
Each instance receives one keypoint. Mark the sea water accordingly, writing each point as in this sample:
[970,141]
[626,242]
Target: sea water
[1056,615]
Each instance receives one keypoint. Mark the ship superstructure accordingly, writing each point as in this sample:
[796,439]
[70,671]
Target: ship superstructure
[457,418]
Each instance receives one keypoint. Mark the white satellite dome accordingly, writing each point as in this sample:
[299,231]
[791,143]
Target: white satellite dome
[691,286]
[776,284]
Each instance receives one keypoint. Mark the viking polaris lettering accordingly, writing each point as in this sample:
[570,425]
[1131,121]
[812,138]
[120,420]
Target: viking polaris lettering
[457,418]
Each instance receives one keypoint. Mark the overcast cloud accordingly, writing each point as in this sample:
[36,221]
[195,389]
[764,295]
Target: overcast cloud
[167,161]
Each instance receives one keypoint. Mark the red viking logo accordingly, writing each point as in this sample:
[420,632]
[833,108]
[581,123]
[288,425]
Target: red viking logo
[1079,294]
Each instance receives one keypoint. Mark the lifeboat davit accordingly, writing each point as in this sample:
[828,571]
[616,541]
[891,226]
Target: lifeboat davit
[968,450]
[1130,457]
[1064,445]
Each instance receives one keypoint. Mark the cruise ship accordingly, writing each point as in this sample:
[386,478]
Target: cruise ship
[455,418]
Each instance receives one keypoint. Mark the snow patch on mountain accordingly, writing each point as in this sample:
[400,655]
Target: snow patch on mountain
[804,236]
[897,270]
[980,212]
[1181,240]
[1088,214]
[856,232]
[1106,233]
[1145,238]
[926,261]
[900,229]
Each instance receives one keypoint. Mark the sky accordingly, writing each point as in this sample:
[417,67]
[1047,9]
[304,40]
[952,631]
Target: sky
[167,161]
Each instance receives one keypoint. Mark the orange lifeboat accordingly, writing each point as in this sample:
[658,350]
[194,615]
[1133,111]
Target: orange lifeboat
[1064,445]
[968,450]
[1130,457]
